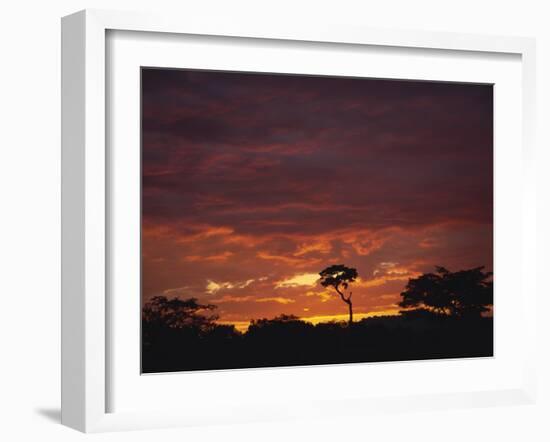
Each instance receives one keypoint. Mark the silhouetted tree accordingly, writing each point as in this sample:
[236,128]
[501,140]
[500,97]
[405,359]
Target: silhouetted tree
[466,293]
[163,314]
[339,276]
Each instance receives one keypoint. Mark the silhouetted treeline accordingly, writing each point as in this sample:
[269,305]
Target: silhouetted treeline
[445,316]
[288,341]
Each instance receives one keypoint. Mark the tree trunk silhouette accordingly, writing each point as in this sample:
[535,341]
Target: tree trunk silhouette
[350,312]
[348,302]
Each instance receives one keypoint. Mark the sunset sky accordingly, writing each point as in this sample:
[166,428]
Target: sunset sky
[254,183]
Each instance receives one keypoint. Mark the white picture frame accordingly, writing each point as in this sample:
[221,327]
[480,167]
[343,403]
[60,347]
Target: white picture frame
[86,353]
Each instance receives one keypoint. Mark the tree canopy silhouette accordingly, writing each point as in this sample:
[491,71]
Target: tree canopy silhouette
[178,313]
[339,277]
[466,293]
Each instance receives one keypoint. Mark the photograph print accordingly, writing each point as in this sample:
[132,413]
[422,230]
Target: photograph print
[295,220]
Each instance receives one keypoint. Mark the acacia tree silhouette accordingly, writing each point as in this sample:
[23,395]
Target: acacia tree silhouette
[466,293]
[336,276]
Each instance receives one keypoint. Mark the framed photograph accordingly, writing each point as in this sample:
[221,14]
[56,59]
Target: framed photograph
[250,212]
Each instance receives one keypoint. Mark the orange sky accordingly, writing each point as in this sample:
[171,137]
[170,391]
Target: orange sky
[252,184]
